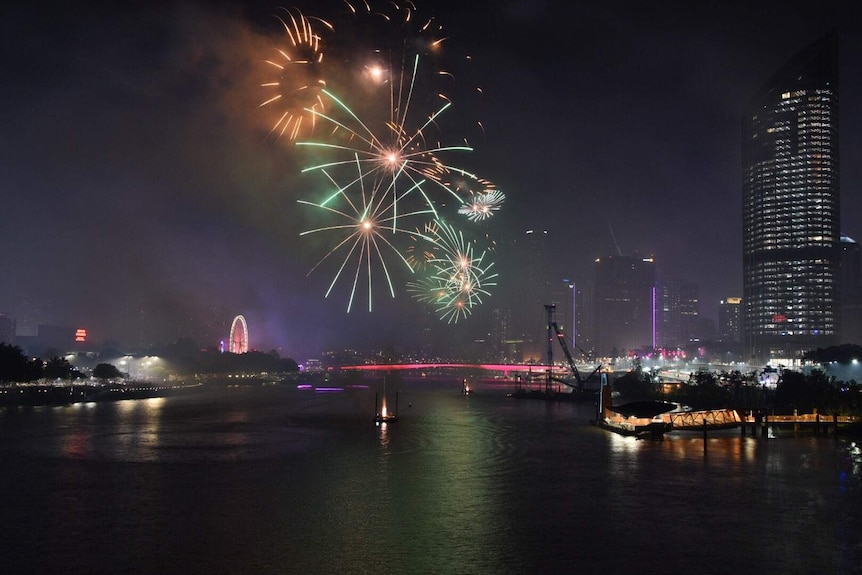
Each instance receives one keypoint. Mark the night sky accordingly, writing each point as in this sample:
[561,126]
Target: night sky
[143,200]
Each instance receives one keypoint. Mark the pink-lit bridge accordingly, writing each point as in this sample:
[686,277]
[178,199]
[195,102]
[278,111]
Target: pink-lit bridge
[505,368]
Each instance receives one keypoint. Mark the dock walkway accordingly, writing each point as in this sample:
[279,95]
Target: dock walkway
[714,419]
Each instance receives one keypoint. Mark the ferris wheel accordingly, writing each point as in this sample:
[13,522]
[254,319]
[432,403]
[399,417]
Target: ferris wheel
[238,335]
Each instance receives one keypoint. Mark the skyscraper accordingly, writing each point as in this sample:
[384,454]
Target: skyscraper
[790,208]
[729,325]
[678,312]
[532,291]
[624,304]
[582,334]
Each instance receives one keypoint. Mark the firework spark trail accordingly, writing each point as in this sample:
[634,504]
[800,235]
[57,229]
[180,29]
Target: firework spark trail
[460,278]
[457,258]
[299,78]
[482,206]
[420,253]
[367,222]
[387,155]
[407,157]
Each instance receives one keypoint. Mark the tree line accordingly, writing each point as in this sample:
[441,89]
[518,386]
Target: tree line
[182,357]
[16,367]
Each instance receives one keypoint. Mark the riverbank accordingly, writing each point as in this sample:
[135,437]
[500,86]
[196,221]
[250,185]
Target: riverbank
[54,394]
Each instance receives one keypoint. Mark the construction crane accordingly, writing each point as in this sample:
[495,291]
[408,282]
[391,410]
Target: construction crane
[574,380]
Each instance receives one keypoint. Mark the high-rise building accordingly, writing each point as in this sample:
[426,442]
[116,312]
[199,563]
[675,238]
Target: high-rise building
[678,309]
[582,335]
[532,289]
[563,297]
[499,335]
[624,304]
[851,291]
[730,320]
[791,208]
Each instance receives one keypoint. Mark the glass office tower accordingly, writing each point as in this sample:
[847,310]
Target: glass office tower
[791,233]
[624,311]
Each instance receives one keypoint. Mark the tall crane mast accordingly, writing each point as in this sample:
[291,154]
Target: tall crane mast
[554,332]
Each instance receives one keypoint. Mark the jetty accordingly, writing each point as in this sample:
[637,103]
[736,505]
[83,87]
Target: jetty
[652,419]
[769,425]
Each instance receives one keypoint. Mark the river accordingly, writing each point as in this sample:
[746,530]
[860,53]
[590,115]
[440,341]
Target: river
[275,479]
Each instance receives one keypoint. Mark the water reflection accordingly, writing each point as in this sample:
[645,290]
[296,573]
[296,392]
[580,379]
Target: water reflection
[478,484]
[854,453]
[121,430]
[623,454]
[163,429]
[383,434]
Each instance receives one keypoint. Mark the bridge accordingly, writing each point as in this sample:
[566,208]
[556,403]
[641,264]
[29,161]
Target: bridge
[697,420]
[506,368]
[660,423]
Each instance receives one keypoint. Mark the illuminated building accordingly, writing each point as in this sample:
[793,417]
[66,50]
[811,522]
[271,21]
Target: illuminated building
[730,320]
[678,313]
[791,208]
[582,337]
[499,334]
[563,297]
[533,289]
[623,304]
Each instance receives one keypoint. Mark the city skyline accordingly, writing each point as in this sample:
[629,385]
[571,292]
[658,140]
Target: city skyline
[142,198]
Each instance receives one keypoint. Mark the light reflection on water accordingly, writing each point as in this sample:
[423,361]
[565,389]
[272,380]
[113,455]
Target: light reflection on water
[270,480]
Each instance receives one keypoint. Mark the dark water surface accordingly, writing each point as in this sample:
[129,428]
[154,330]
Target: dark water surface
[281,480]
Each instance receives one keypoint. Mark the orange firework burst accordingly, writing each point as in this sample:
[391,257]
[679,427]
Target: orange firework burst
[300,81]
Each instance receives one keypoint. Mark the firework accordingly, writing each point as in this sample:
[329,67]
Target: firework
[399,155]
[367,235]
[297,90]
[482,206]
[422,250]
[429,290]
[460,278]
[390,169]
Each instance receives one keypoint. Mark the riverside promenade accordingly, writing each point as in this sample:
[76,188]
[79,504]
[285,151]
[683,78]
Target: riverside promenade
[767,425]
[58,394]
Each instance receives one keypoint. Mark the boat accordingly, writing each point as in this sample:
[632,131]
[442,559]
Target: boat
[465,389]
[383,415]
